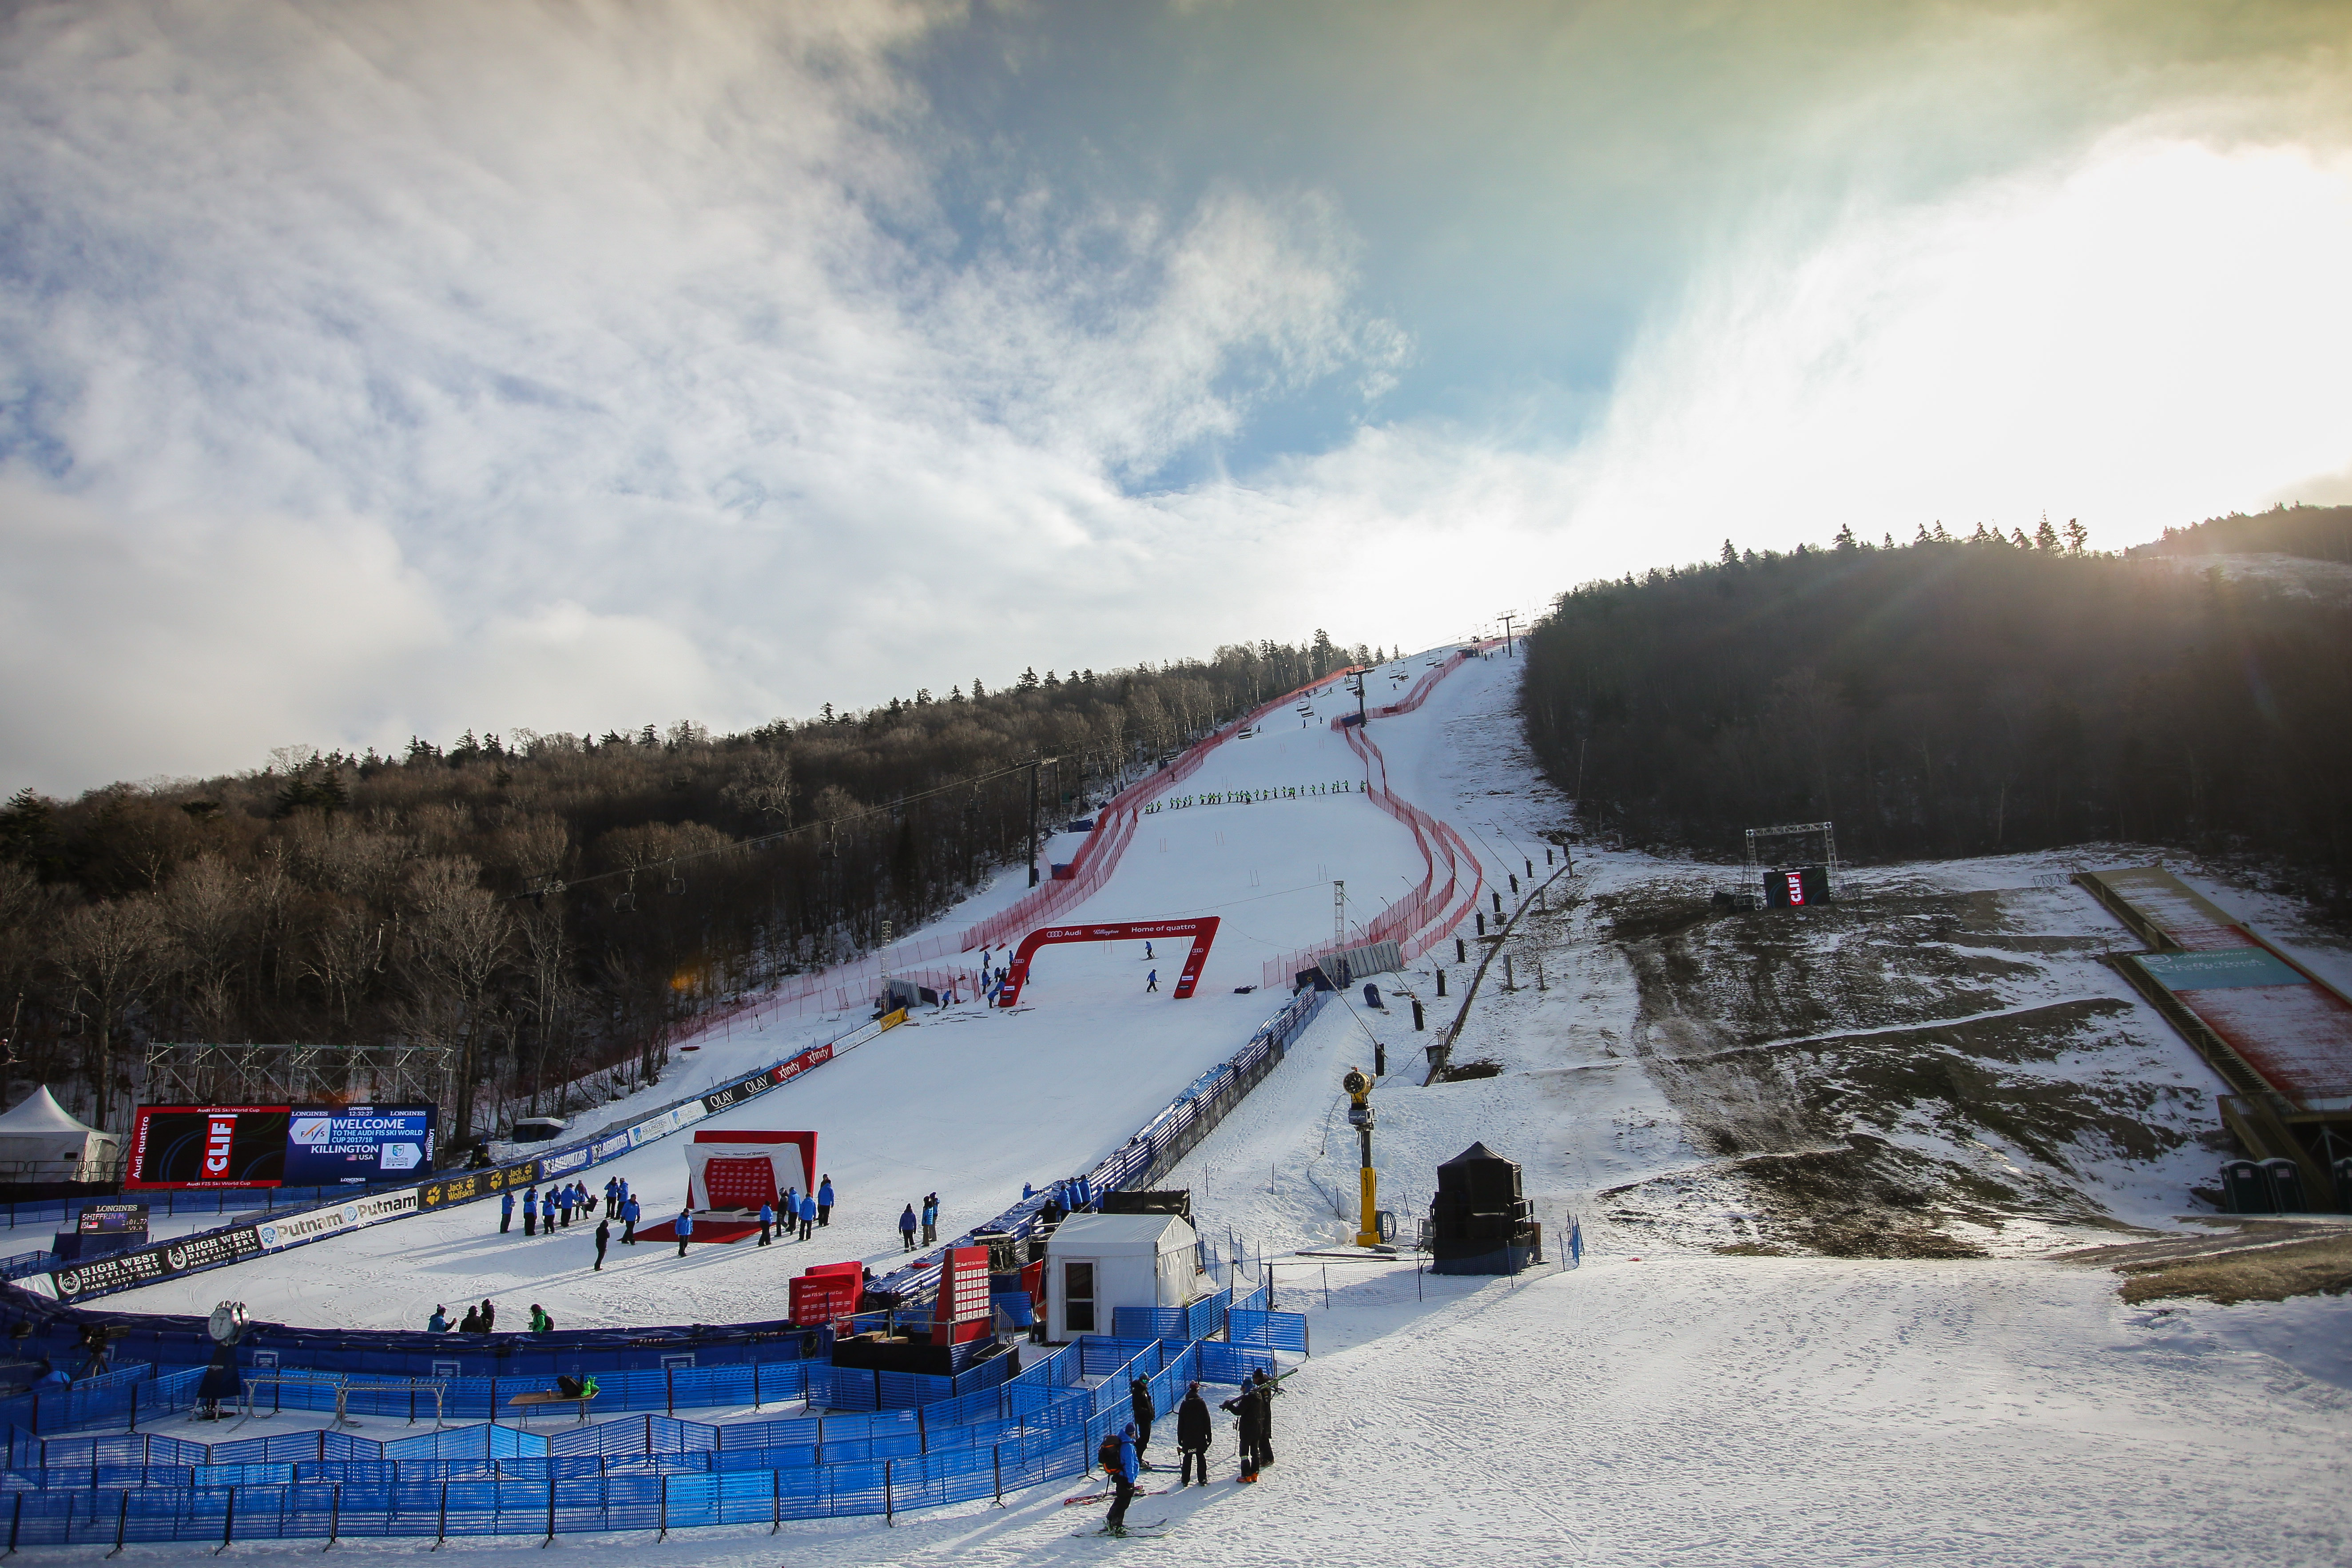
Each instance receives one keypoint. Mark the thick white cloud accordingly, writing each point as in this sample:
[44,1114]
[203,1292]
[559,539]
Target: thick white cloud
[376,369]
[2144,336]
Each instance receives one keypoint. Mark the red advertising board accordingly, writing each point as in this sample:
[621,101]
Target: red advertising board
[963,1312]
[207,1146]
[827,1293]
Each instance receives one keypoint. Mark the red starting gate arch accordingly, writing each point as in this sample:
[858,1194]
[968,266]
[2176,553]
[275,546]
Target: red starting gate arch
[1202,930]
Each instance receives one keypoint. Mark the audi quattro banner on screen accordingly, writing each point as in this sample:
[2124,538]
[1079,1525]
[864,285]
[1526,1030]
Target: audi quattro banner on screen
[352,1145]
[208,1146]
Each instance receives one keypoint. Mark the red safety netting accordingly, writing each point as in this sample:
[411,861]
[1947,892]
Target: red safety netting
[1451,874]
[848,986]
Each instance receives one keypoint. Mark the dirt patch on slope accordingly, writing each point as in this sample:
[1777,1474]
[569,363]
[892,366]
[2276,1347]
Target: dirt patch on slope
[1868,1075]
[2254,1261]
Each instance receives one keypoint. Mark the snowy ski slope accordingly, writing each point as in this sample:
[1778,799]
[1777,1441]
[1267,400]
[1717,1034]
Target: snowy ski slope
[969,1103]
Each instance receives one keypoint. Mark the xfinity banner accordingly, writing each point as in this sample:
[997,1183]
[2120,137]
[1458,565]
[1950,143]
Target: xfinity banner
[357,1145]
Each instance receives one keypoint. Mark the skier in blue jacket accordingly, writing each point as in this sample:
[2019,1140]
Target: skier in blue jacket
[505,1213]
[767,1220]
[1122,1469]
[825,1203]
[808,1217]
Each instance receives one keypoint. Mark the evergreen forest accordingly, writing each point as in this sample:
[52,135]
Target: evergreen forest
[1965,696]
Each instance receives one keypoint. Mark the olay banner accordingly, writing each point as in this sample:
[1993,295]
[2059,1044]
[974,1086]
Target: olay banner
[208,1146]
[737,1093]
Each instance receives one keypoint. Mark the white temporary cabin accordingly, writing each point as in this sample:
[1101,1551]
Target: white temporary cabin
[1097,1263]
[41,1142]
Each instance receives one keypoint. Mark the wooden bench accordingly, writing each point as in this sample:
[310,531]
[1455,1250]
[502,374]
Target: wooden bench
[551,1396]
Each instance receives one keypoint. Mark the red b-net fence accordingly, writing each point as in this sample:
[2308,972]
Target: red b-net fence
[848,986]
[1451,874]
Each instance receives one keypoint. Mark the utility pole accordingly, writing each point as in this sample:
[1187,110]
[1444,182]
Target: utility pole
[1033,761]
[1506,620]
[1361,718]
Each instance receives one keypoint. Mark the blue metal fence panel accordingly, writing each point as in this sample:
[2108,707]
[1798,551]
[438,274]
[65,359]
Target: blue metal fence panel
[1268,1331]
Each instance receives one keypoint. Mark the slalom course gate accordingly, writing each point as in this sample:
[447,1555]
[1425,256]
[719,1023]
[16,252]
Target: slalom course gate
[1202,930]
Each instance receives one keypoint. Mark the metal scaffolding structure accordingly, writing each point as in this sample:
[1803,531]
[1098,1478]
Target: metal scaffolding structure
[1763,841]
[184,1073]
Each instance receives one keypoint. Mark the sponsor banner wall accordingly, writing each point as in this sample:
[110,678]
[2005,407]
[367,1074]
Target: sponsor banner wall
[105,1275]
[814,1056]
[125,1270]
[465,1187]
[737,1093]
[295,1229]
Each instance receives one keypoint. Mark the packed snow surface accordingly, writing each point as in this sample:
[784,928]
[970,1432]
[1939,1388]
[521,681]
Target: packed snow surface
[1669,1401]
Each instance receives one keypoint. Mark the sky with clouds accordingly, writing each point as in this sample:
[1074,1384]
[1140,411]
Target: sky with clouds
[378,369]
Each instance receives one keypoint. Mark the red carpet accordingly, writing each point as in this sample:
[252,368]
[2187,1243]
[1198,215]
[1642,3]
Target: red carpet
[707,1227]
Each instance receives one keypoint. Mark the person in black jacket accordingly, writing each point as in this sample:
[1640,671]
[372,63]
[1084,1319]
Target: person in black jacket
[1248,1408]
[1192,1435]
[1138,1398]
[1265,1389]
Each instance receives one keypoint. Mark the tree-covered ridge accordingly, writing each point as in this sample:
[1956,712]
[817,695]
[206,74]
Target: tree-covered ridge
[2320,532]
[549,904]
[1952,696]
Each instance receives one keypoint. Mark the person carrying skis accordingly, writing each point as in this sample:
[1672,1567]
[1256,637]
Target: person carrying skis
[1139,1400]
[505,1213]
[825,1203]
[808,1217]
[604,1239]
[906,1229]
[1117,1456]
[685,1228]
[1192,1433]
[1267,1389]
[930,1218]
[767,1220]
[1243,1407]
[530,1211]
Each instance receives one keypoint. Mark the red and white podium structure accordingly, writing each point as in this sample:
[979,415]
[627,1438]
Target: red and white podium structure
[742,1170]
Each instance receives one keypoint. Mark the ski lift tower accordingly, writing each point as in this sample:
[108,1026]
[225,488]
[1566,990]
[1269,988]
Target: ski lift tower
[1793,844]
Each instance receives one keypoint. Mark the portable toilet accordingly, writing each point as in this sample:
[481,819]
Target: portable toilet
[2245,1189]
[2286,1183]
[1097,1263]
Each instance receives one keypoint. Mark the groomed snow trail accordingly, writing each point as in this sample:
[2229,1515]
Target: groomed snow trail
[970,1103]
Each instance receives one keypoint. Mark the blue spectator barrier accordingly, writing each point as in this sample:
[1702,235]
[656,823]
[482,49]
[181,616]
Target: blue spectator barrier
[1269,1330]
[652,1472]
